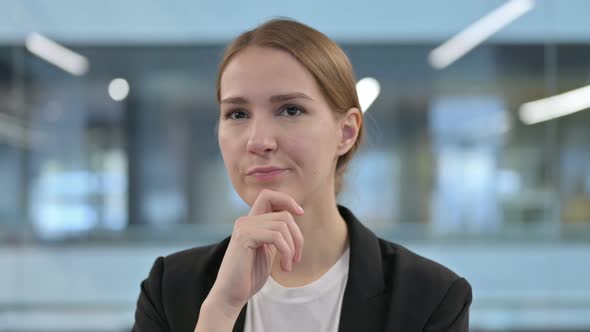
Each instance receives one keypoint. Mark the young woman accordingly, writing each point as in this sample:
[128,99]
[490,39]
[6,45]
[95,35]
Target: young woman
[290,122]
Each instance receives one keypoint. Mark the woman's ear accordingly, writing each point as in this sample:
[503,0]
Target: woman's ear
[350,126]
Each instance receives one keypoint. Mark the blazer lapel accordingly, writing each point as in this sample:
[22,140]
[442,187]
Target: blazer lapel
[361,305]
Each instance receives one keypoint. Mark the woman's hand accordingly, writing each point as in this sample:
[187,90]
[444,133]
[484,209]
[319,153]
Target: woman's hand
[269,229]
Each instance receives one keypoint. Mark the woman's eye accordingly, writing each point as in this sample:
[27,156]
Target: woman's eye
[234,115]
[291,111]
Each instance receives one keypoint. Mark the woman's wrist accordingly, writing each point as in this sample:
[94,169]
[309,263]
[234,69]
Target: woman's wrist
[230,311]
[215,315]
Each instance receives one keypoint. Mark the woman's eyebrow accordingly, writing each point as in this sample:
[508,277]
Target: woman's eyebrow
[234,100]
[289,96]
[273,99]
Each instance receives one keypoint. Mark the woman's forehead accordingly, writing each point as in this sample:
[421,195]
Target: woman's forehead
[267,72]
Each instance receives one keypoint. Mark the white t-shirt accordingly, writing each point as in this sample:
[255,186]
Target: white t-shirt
[313,307]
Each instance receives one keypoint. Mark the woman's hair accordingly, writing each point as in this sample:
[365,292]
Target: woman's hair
[326,61]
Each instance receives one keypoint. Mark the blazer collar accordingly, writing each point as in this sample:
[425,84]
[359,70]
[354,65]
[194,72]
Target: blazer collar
[365,278]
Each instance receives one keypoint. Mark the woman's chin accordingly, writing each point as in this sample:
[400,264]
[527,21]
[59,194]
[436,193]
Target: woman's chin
[253,191]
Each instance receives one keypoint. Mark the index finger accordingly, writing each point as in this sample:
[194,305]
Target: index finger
[274,201]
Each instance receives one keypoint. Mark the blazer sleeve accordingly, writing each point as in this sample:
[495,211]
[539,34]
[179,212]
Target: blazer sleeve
[452,314]
[149,314]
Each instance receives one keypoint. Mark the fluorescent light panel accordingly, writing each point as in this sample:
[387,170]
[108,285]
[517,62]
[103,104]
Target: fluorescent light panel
[477,32]
[368,90]
[554,107]
[56,54]
[118,89]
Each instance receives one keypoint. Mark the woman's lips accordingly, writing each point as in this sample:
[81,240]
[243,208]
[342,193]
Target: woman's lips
[267,175]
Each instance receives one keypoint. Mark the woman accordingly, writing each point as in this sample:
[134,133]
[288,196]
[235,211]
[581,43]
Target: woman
[290,121]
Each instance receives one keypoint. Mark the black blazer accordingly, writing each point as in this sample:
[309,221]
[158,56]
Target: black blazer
[389,288]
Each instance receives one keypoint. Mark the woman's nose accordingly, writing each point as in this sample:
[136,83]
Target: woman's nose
[262,138]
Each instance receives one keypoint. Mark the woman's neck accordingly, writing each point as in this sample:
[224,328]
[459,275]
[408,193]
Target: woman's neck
[325,237]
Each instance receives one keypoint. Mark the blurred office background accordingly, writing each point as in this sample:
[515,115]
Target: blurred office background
[108,155]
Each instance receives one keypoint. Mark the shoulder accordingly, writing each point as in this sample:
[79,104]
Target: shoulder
[429,292]
[197,262]
[176,287]
[409,277]
[410,264]
[422,280]
[188,271]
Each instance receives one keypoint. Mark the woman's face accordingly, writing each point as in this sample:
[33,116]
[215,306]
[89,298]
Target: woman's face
[274,115]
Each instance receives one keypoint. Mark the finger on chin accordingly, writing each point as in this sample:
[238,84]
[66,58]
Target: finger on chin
[274,201]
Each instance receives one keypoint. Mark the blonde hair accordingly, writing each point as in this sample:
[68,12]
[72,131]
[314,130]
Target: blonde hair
[326,61]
